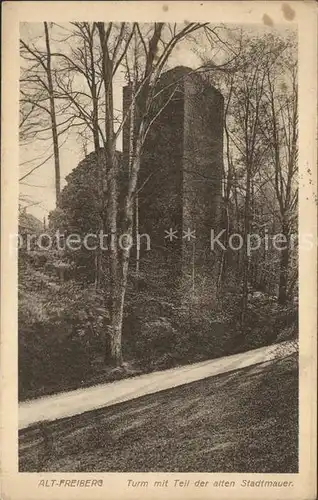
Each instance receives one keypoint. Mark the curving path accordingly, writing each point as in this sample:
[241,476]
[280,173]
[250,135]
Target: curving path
[67,404]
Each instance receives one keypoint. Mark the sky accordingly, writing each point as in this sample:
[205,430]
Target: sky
[38,189]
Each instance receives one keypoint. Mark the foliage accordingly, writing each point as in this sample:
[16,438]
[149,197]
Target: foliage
[65,324]
[60,332]
[63,329]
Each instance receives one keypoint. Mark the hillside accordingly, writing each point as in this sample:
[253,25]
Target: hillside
[243,421]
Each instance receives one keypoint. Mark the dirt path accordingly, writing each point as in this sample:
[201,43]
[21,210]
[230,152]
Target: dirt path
[72,403]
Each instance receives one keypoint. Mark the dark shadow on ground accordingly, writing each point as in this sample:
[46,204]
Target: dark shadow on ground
[243,421]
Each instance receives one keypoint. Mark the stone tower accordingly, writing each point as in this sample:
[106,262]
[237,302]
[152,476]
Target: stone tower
[181,170]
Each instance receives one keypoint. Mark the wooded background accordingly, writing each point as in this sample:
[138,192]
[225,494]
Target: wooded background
[88,316]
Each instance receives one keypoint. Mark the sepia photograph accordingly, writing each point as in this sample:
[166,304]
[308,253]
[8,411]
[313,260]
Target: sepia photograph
[158,228]
[157,247]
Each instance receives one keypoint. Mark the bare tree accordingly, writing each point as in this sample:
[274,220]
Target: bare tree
[52,114]
[157,44]
[247,96]
[261,150]
[282,135]
[38,109]
[98,52]
[79,85]
[250,157]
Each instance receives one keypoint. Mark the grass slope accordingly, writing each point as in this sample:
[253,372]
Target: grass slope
[243,421]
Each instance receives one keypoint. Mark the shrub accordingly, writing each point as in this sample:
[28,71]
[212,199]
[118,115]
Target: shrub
[60,333]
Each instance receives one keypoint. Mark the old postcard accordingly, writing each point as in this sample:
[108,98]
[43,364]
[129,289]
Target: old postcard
[159,250]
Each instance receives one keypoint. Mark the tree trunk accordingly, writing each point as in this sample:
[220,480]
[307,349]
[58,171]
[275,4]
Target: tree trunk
[117,324]
[98,267]
[101,186]
[245,249]
[115,286]
[137,235]
[100,164]
[225,253]
[283,271]
[121,286]
[116,293]
[53,117]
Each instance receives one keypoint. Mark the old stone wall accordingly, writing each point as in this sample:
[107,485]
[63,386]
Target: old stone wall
[181,169]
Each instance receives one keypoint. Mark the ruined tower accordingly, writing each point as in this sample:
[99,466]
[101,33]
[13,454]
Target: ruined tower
[181,170]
